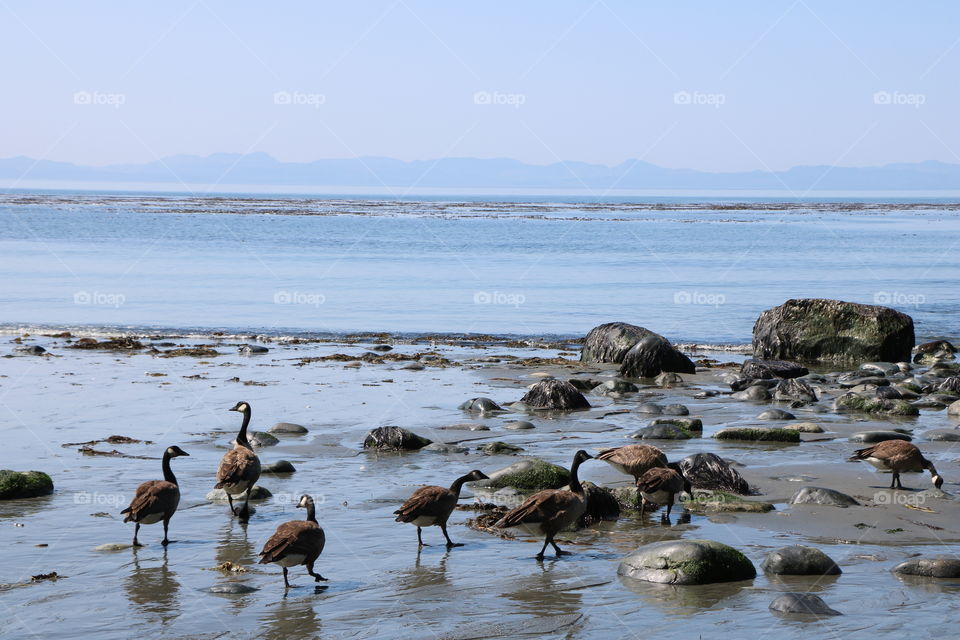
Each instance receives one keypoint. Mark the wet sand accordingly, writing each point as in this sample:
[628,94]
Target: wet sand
[380,586]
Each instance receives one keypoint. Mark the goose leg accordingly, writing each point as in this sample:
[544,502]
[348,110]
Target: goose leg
[560,552]
[166,523]
[669,507]
[316,576]
[643,505]
[543,548]
[136,530]
[896,478]
[420,538]
[450,543]
[245,511]
[233,511]
[285,581]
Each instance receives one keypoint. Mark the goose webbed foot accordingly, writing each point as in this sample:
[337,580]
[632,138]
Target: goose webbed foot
[451,545]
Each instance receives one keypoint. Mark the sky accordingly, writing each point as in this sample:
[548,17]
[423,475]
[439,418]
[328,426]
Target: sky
[715,86]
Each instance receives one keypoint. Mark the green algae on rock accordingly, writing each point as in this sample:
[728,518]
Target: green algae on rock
[758,434]
[687,562]
[24,484]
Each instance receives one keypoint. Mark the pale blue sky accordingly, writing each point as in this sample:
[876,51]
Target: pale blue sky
[779,83]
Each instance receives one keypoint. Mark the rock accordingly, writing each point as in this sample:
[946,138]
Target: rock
[872,437]
[651,408]
[942,435]
[954,409]
[251,349]
[381,347]
[260,439]
[30,350]
[804,427]
[812,330]
[557,395]
[15,485]
[936,346]
[584,384]
[676,410]
[480,405]
[804,604]
[950,385]
[231,588]
[876,406]
[610,342]
[753,393]
[442,447]
[414,366]
[853,380]
[529,474]
[757,434]
[465,426]
[287,427]
[518,425]
[776,414]
[936,567]
[394,439]
[686,562]
[652,356]
[799,560]
[614,387]
[258,493]
[497,448]
[881,368]
[602,505]
[280,466]
[819,495]
[113,546]
[667,379]
[794,389]
[660,432]
[710,471]
[888,393]
[686,424]
[772,369]
[723,502]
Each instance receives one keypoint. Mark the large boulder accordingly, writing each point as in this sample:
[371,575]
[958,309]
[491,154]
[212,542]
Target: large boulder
[529,474]
[818,330]
[855,403]
[794,391]
[803,604]
[687,562]
[24,484]
[554,394]
[652,356]
[394,439]
[710,471]
[610,342]
[938,567]
[799,560]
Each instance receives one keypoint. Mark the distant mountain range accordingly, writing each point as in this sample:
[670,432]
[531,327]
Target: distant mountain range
[503,173]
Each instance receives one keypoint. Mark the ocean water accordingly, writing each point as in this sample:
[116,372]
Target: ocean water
[694,270]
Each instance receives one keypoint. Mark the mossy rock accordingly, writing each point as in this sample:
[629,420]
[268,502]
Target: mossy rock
[24,484]
[724,502]
[692,425]
[497,448]
[874,405]
[529,474]
[756,434]
[687,562]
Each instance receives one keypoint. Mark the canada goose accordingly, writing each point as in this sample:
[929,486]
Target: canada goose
[432,506]
[897,456]
[550,511]
[240,467]
[660,485]
[294,543]
[156,500]
[634,460]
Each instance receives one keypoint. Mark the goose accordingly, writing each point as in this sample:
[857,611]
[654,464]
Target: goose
[432,506]
[240,467]
[297,542]
[897,456]
[156,500]
[548,512]
[660,485]
[634,460]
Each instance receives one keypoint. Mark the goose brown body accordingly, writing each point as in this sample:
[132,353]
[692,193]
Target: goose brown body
[432,506]
[660,485]
[897,456]
[156,500]
[548,512]
[634,459]
[296,543]
[239,468]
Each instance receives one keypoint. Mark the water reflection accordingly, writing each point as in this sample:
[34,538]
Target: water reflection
[154,591]
[551,590]
[684,599]
[424,575]
[802,584]
[291,617]
[234,545]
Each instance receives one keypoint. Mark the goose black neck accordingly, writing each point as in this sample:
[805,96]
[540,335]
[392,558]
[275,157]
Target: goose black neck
[167,471]
[575,485]
[242,436]
[311,512]
[458,484]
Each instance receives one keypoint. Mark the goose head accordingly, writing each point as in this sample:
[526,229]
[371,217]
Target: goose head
[581,456]
[241,407]
[475,475]
[305,502]
[176,451]
[937,480]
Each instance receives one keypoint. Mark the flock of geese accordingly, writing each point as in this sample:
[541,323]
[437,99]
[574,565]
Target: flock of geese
[546,513]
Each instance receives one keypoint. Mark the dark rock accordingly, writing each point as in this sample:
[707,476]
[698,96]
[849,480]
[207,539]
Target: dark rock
[288,427]
[687,424]
[15,485]
[776,414]
[584,384]
[660,432]
[772,369]
[879,368]
[687,562]
[675,410]
[394,439]
[799,560]
[794,390]
[873,405]
[942,435]
[610,342]
[936,346]
[811,330]
[803,604]
[252,349]
[499,448]
[381,347]
[758,434]
[602,505]
[950,385]
[518,425]
[614,387]
[754,393]
[651,408]
[414,366]
[724,502]
[280,466]
[554,395]
[480,405]
[652,356]
[820,495]
[937,567]
[668,379]
[873,437]
[442,447]
[888,393]
[710,471]
[30,350]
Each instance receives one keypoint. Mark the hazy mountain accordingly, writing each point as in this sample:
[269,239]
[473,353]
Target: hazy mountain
[262,169]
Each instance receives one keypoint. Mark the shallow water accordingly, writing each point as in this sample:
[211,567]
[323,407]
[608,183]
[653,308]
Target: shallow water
[380,586]
[692,271]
